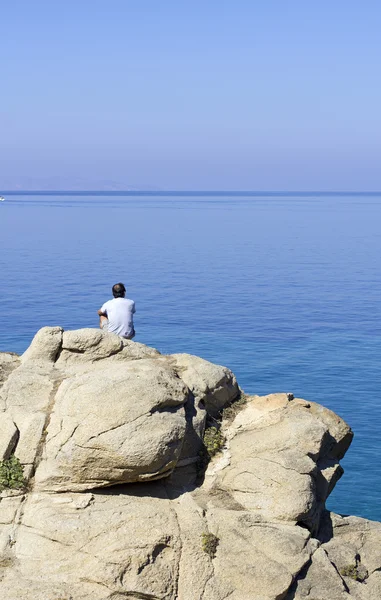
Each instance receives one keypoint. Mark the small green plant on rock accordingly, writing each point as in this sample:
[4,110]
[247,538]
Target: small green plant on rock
[233,409]
[11,474]
[209,543]
[356,572]
[212,443]
[213,440]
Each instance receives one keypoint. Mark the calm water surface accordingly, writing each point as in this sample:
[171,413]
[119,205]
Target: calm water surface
[283,290]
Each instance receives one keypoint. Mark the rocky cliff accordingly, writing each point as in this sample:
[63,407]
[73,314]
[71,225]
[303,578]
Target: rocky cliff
[153,477]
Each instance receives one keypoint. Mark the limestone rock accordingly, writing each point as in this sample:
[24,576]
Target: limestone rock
[45,345]
[8,436]
[27,395]
[272,462]
[347,565]
[82,350]
[92,546]
[254,560]
[121,424]
[213,385]
[8,362]
[87,345]
[29,388]
[85,410]
[321,581]
[352,544]
[94,342]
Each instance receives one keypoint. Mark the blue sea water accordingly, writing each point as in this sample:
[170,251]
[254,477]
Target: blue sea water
[284,289]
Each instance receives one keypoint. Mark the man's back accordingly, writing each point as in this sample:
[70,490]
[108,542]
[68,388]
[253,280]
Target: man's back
[119,313]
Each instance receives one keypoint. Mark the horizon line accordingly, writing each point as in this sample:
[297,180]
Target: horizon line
[191,192]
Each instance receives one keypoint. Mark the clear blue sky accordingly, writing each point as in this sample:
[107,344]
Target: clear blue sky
[201,94]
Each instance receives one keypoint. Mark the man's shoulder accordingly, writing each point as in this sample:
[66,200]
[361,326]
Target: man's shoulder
[116,301]
[108,302]
[128,302]
[121,301]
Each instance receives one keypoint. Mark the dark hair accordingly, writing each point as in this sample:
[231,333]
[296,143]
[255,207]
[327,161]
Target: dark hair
[118,290]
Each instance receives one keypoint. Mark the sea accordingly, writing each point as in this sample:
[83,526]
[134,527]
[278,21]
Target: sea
[283,288]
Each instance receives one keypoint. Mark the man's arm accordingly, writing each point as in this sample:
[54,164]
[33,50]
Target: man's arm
[102,312]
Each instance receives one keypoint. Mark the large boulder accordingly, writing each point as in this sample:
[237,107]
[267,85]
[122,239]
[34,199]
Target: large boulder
[212,386]
[27,396]
[346,565]
[120,424]
[352,545]
[86,409]
[280,460]
[254,560]
[92,547]
[117,505]
[83,349]
[45,345]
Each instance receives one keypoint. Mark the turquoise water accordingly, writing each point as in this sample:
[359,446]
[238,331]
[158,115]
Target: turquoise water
[285,290]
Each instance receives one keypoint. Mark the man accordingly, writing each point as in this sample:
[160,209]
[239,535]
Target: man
[116,315]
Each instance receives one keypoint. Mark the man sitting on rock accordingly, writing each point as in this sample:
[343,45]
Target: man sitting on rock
[116,315]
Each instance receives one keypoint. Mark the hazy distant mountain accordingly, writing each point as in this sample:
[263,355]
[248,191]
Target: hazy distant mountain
[62,183]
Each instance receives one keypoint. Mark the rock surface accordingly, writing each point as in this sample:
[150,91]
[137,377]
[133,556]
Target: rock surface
[281,460]
[122,423]
[115,506]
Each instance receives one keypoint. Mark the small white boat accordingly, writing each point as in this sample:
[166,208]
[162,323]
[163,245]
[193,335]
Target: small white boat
[2,198]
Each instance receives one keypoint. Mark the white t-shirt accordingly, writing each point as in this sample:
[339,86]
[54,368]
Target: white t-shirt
[119,313]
